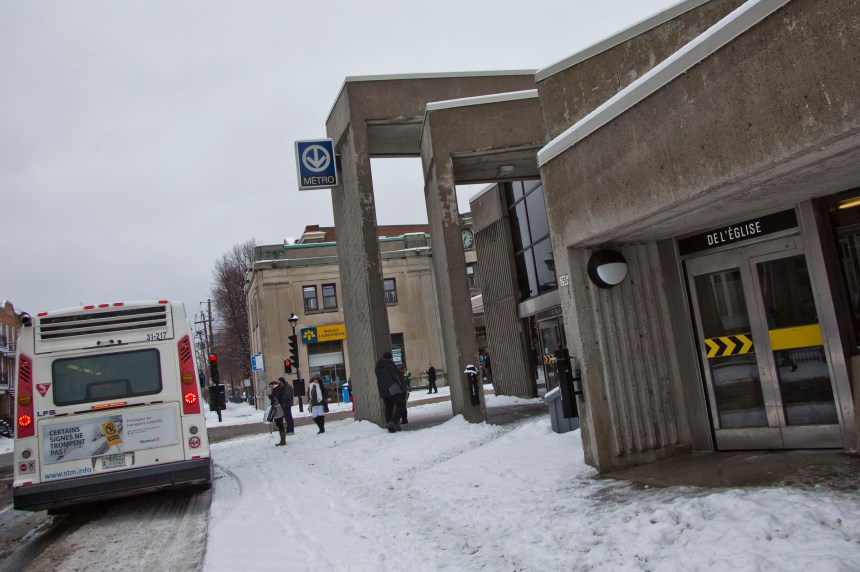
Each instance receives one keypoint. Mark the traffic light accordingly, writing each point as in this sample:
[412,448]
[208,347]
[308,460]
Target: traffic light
[288,366]
[213,367]
[294,350]
[217,398]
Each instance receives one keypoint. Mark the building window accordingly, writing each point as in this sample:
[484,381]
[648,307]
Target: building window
[471,275]
[530,236]
[310,295]
[329,296]
[325,359]
[398,349]
[390,288]
[846,223]
[481,333]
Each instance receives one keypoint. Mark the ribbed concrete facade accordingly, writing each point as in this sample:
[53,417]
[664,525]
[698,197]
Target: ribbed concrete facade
[763,122]
[511,372]
[627,347]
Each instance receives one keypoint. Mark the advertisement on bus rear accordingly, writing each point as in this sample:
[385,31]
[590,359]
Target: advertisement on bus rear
[103,435]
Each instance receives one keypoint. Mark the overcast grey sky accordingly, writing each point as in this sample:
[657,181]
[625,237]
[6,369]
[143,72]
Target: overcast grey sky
[140,140]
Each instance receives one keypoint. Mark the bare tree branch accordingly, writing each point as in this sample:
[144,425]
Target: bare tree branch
[232,339]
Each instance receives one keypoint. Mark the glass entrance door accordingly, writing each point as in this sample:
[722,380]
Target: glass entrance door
[762,349]
[551,338]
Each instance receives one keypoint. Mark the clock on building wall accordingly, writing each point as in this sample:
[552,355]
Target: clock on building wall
[468,238]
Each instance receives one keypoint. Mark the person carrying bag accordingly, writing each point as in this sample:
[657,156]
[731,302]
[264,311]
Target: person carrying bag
[318,402]
[276,392]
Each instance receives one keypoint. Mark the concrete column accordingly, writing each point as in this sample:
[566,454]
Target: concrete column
[452,287]
[382,117]
[365,312]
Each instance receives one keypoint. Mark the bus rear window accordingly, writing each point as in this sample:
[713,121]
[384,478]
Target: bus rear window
[110,376]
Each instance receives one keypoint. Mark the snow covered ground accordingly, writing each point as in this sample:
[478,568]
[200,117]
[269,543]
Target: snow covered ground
[461,496]
[242,413]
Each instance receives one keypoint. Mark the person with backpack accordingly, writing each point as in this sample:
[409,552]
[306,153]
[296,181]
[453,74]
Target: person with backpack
[392,389]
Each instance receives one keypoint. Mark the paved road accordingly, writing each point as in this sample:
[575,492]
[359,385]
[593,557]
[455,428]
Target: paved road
[77,541]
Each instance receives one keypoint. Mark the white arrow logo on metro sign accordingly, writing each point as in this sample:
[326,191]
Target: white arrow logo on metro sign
[316,158]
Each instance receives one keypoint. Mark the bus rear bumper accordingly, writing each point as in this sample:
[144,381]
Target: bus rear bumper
[80,490]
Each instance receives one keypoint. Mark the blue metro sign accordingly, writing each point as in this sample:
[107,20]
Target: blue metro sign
[316,166]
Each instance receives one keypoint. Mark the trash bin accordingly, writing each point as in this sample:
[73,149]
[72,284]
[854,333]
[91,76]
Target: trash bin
[345,393]
[560,423]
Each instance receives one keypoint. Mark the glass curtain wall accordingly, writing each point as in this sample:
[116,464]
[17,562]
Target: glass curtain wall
[530,234]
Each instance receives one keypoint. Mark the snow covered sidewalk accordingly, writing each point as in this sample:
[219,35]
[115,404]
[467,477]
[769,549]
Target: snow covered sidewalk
[460,496]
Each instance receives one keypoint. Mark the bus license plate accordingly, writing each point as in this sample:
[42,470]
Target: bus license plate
[113,461]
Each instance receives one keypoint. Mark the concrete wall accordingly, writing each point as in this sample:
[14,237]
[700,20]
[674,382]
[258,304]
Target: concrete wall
[764,123]
[631,412]
[768,121]
[569,95]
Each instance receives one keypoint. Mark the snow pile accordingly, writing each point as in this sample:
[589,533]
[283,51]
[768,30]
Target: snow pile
[461,496]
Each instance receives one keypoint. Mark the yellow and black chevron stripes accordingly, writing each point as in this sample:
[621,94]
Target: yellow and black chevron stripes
[725,346]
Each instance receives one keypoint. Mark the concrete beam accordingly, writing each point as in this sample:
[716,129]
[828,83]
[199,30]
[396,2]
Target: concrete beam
[470,142]
[380,116]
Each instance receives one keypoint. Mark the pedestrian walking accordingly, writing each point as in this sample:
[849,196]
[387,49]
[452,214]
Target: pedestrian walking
[275,393]
[287,397]
[431,380]
[318,402]
[392,389]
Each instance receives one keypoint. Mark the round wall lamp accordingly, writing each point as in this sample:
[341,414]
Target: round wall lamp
[607,268]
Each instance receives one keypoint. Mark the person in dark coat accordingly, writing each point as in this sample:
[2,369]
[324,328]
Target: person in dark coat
[431,380]
[392,389]
[276,397]
[287,403]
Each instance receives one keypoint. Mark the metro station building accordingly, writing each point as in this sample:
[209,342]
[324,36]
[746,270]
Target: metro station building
[716,148]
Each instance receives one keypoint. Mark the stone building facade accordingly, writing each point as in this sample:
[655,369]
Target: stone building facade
[304,278]
[10,325]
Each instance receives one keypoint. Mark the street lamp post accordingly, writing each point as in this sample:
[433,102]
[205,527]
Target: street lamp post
[294,358]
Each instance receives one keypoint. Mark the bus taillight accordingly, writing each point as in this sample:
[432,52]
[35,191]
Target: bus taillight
[24,403]
[190,396]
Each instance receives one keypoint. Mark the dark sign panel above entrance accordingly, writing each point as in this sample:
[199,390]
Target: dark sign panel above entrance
[739,232]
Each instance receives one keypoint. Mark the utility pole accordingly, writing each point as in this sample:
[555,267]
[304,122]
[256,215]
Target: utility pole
[211,335]
[207,343]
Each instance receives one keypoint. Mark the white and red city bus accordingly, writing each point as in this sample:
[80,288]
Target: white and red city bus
[107,404]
